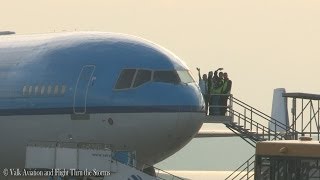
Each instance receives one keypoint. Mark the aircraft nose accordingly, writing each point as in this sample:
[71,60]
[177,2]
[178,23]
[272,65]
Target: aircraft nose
[192,112]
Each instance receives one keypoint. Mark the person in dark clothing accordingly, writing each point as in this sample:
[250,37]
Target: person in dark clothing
[203,84]
[217,83]
[215,75]
[226,89]
[209,91]
[210,76]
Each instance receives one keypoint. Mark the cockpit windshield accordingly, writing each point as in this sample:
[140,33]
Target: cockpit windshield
[133,78]
[142,77]
[125,79]
[166,77]
[185,76]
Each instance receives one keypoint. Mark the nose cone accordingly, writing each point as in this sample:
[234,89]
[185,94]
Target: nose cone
[191,115]
[189,119]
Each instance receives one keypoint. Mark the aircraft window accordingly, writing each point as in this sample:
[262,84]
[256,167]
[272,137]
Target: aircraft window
[125,79]
[49,90]
[166,76]
[24,91]
[185,76]
[43,88]
[30,90]
[63,89]
[56,90]
[142,77]
[36,90]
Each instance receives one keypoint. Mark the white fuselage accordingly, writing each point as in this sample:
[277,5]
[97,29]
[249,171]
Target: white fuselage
[151,135]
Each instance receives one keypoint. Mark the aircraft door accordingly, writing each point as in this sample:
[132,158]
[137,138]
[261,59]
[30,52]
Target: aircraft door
[81,90]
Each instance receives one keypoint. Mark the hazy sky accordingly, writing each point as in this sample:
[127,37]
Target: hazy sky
[261,44]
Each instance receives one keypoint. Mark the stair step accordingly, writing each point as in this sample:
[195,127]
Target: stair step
[253,132]
[239,126]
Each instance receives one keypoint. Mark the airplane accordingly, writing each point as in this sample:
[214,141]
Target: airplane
[97,87]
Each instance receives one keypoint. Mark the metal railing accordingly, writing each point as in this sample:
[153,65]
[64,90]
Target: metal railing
[220,104]
[253,113]
[259,131]
[246,127]
[233,107]
[248,111]
[245,171]
[305,116]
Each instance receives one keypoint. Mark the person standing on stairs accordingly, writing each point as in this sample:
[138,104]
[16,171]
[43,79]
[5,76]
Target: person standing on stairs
[209,92]
[217,83]
[203,84]
[226,89]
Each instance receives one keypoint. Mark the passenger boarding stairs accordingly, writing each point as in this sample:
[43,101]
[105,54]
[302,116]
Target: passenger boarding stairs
[250,124]
[246,124]
[305,121]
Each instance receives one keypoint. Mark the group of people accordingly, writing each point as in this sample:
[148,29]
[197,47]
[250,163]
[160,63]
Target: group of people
[215,88]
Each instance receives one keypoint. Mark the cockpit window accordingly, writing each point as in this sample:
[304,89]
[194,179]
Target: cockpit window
[143,76]
[132,78]
[125,79]
[185,76]
[166,77]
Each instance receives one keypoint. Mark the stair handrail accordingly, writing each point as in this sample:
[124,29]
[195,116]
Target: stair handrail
[245,164]
[255,111]
[258,125]
[263,115]
[303,109]
[301,113]
[258,111]
[242,136]
[247,174]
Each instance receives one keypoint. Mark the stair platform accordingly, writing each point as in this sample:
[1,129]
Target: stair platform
[214,133]
[218,119]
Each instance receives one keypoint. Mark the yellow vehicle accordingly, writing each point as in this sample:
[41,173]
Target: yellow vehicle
[288,160]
